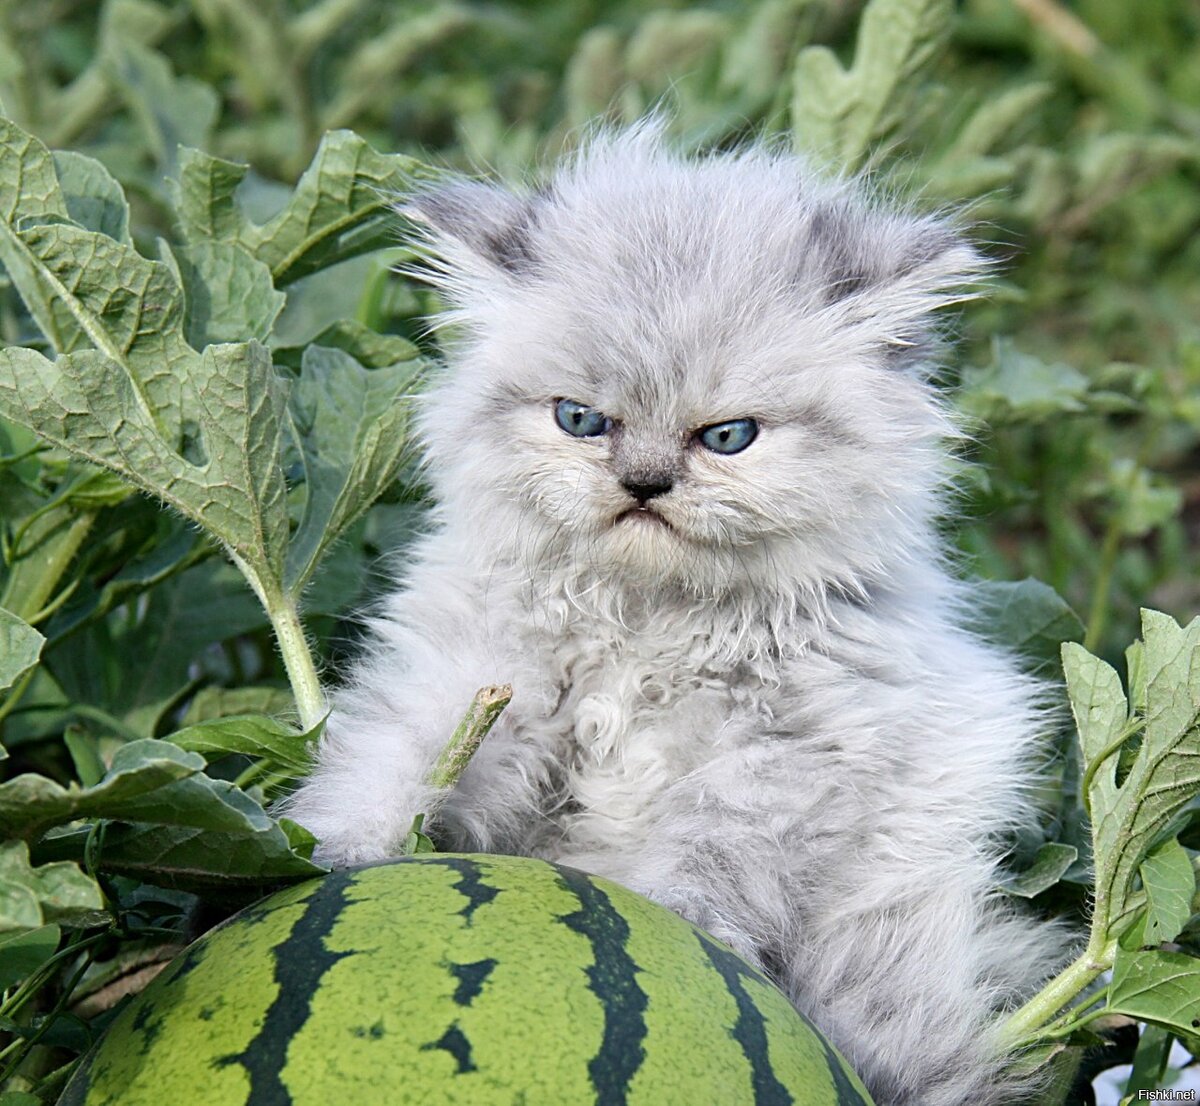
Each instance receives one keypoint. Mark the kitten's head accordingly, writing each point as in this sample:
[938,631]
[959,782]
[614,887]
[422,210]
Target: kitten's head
[706,374]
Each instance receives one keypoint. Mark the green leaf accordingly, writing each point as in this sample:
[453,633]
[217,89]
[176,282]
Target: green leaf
[1170,883]
[1158,987]
[415,841]
[32,897]
[1150,1060]
[342,206]
[252,735]
[23,952]
[20,648]
[1127,821]
[90,405]
[86,290]
[1027,615]
[366,346]
[221,702]
[1018,388]
[204,861]
[171,111]
[1141,500]
[149,781]
[996,119]
[85,755]
[1048,867]
[839,115]
[230,297]
[93,197]
[350,424]
[19,1098]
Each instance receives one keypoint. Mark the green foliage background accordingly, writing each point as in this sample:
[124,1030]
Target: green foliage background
[147,730]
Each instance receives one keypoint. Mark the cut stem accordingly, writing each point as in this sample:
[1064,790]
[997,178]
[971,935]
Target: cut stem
[481,715]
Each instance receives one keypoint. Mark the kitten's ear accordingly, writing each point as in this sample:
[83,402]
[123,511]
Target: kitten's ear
[492,223]
[889,272]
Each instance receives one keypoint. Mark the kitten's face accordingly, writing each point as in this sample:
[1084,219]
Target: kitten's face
[661,388]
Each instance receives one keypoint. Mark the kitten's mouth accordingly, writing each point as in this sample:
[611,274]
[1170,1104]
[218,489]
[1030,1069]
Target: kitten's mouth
[642,515]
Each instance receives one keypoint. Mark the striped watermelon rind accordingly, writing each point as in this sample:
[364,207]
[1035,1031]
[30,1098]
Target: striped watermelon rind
[459,979]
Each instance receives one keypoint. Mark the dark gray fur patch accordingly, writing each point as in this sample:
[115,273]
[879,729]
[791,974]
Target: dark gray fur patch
[927,243]
[831,235]
[850,261]
[511,248]
[490,220]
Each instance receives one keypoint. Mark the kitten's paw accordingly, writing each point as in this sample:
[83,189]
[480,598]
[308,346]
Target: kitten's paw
[342,842]
[697,908]
[332,852]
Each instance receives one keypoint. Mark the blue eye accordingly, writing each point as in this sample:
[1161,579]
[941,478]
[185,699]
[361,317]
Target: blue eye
[729,437]
[579,420]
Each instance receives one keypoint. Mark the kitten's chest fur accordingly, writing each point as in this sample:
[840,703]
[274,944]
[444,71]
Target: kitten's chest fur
[632,712]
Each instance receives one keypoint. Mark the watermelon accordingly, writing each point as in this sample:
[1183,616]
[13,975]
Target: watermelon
[467,980]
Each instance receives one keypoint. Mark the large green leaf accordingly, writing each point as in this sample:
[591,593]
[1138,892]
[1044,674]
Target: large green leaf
[87,290]
[198,860]
[148,781]
[252,735]
[350,424]
[89,404]
[341,207]
[1026,615]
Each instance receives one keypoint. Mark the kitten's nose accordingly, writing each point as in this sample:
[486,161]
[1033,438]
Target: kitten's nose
[644,491]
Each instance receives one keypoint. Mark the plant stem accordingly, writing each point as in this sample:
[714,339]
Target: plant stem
[1098,613]
[297,659]
[1022,1027]
[481,715]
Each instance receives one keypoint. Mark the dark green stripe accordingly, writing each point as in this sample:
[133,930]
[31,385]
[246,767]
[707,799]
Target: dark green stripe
[612,979]
[471,885]
[454,1041]
[301,960]
[471,978]
[750,1029]
[847,1092]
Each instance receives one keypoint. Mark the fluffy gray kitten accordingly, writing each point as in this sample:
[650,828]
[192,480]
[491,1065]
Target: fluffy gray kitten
[688,462]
